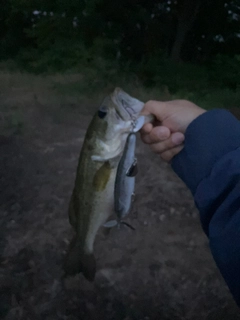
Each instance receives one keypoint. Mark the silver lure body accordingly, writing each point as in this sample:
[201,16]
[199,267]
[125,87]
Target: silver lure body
[125,179]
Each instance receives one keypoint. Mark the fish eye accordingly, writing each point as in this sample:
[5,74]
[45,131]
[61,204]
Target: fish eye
[102,112]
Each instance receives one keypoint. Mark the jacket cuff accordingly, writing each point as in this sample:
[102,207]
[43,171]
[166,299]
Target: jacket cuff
[209,137]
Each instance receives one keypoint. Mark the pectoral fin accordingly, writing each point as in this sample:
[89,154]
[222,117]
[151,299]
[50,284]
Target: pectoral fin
[110,224]
[115,223]
[102,176]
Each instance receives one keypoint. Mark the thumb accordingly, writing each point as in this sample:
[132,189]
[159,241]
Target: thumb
[157,108]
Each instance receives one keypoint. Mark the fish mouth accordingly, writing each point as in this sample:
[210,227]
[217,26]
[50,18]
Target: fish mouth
[128,107]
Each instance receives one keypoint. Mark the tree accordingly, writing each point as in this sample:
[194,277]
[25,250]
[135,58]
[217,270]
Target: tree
[186,14]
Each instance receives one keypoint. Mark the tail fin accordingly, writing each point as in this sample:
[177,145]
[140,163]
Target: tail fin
[77,261]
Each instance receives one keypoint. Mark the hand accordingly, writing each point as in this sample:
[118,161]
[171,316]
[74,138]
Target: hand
[166,134]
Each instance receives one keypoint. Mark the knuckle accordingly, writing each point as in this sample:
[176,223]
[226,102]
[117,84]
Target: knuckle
[152,106]
[150,102]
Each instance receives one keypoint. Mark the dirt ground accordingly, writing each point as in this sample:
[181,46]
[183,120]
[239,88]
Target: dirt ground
[161,271]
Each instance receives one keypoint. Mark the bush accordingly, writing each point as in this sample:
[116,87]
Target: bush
[225,71]
[68,54]
[163,72]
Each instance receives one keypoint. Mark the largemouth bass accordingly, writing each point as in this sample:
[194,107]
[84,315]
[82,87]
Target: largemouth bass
[92,200]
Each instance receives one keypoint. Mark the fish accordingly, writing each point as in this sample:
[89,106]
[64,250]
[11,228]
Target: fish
[92,199]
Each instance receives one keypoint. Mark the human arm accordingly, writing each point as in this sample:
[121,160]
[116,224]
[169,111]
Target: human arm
[209,164]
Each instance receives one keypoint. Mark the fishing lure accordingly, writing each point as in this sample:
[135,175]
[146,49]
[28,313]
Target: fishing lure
[125,183]
[125,178]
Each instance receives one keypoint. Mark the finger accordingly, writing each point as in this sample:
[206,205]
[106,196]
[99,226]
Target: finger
[154,107]
[147,128]
[156,135]
[169,154]
[174,140]
[145,137]
[178,138]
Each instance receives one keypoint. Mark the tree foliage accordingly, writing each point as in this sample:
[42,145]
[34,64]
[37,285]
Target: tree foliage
[65,32]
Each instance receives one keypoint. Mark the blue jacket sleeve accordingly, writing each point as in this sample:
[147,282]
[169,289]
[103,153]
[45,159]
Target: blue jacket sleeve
[209,164]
